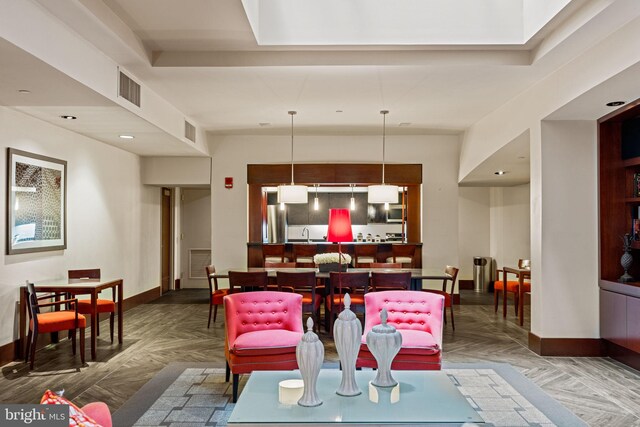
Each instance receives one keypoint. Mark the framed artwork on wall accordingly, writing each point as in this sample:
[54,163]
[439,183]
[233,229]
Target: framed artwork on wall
[36,203]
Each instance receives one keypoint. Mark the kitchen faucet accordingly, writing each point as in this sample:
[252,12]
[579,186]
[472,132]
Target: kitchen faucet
[307,230]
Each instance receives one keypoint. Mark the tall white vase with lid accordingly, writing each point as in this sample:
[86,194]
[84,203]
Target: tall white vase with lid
[384,342]
[347,333]
[310,355]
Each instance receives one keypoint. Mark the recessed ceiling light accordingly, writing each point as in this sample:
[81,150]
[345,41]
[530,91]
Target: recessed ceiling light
[500,172]
[127,136]
[615,103]
[404,124]
[338,111]
[263,124]
[68,117]
[24,91]
[522,157]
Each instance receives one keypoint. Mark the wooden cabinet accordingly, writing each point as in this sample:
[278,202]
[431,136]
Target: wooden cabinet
[613,317]
[633,324]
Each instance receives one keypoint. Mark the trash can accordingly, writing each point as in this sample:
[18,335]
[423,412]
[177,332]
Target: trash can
[481,273]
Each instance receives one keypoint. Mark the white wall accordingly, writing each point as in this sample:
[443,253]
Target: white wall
[565,298]
[196,231]
[474,226]
[113,221]
[176,171]
[510,221]
[438,154]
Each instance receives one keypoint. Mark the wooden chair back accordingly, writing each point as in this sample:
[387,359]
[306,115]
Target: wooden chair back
[404,251]
[242,281]
[273,251]
[32,302]
[354,282]
[385,265]
[213,282]
[91,273]
[303,255]
[365,251]
[453,272]
[298,281]
[390,281]
[279,265]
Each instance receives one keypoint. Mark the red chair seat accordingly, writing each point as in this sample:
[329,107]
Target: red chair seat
[58,321]
[337,299]
[266,342]
[512,286]
[104,306]
[217,296]
[306,299]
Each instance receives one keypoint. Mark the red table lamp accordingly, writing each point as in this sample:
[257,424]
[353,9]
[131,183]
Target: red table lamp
[339,231]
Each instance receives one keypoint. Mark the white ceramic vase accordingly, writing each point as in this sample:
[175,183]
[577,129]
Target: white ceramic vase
[310,355]
[347,333]
[384,342]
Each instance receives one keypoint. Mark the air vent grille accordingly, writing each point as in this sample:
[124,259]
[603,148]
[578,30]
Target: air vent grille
[198,260]
[189,131]
[129,89]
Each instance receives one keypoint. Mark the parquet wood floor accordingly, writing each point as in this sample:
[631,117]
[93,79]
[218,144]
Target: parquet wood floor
[174,329]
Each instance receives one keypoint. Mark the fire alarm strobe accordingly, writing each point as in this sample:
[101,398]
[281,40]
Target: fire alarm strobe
[228,182]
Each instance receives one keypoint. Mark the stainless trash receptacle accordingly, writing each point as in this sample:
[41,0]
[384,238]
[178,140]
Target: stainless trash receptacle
[481,270]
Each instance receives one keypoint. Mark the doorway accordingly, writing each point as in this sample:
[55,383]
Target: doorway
[165,240]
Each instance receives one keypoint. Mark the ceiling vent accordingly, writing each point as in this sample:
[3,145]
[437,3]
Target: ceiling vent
[189,131]
[129,89]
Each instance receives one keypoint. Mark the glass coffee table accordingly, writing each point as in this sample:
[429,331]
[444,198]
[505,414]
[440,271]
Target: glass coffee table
[422,397]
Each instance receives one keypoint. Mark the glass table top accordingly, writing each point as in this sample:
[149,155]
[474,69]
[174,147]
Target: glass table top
[422,397]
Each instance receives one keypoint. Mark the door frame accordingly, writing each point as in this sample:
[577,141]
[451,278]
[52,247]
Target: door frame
[169,237]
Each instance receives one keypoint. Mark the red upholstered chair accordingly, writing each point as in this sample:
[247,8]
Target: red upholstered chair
[262,331]
[303,283]
[215,294]
[418,316]
[512,287]
[356,283]
[104,305]
[448,295]
[53,321]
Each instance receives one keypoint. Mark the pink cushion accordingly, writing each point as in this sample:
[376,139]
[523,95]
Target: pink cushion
[273,341]
[99,411]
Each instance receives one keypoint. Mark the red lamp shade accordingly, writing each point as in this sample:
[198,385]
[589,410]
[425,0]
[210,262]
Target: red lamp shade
[339,226]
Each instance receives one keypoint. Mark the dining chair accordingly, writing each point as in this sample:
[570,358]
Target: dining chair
[404,254]
[303,255]
[447,294]
[53,321]
[216,294]
[273,253]
[303,283]
[103,305]
[269,264]
[364,255]
[356,283]
[389,281]
[418,317]
[262,332]
[244,281]
[512,287]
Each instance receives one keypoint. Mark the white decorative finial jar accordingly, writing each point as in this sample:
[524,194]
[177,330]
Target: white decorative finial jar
[310,355]
[347,333]
[384,342]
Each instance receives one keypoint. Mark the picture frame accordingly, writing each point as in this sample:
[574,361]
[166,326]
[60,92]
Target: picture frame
[36,203]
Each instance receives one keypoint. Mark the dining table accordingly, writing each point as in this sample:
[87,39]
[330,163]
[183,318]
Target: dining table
[84,286]
[521,273]
[417,274]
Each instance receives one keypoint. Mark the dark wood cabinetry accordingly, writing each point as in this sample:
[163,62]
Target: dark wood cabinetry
[619,160]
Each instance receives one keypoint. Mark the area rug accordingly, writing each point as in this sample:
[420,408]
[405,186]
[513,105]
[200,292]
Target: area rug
[195,395]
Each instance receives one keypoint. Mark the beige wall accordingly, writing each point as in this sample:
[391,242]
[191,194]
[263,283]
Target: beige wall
[113,221]
[437,153]
[196,231]
[510,225]
[474,226]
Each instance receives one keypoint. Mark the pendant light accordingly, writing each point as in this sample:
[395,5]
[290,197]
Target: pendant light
[383,193]
[316,201]
[292,193]
[352,204]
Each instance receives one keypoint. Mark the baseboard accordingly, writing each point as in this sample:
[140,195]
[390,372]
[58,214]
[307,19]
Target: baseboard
[465,284]
[567,347]
[456,299]
[9,353]
[176,285]
[623,355]
[141,298]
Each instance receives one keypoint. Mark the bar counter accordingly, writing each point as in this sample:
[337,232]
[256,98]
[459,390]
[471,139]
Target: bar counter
[383,250]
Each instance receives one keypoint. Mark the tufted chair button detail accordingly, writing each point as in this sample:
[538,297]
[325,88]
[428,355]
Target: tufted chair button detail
[267,323]
[273,312]
[255,323]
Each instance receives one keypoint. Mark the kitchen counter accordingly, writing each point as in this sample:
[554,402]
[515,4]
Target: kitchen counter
[383,250]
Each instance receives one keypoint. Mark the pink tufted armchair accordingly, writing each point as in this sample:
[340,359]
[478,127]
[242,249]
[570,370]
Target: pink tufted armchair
[418,316]
[262,331]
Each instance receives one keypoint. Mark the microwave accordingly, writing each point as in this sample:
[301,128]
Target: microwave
[394,214]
